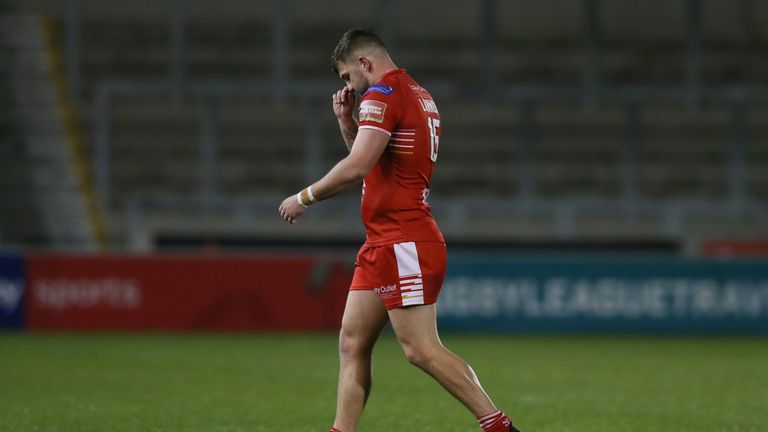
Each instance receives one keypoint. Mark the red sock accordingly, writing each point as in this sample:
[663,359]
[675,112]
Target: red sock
[335,430]
[494,422]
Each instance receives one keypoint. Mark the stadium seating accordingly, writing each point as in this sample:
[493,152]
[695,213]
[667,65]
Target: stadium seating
[571,149]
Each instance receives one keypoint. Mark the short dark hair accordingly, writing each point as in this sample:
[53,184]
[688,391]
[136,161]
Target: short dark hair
[352,40]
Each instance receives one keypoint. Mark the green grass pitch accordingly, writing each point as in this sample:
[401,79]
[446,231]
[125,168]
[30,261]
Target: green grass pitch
[256,382]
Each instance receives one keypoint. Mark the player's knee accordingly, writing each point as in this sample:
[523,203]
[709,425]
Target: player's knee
[417,355]
[353,345]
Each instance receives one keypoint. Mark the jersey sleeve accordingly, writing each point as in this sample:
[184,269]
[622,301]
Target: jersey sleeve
[380,109]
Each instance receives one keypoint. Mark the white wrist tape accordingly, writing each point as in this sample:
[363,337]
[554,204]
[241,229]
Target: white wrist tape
[301,203]
[311,195]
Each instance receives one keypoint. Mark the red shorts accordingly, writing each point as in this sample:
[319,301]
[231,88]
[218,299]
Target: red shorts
[402,274]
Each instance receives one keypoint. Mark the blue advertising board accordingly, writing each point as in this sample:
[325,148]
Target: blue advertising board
[610,294]
[11,291]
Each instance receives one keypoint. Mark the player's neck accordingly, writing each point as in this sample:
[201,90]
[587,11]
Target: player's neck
[385,69]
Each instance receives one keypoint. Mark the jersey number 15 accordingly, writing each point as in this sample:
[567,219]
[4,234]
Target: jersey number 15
[434,137]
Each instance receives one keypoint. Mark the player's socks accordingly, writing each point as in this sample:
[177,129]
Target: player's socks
[496,422]
[334,430]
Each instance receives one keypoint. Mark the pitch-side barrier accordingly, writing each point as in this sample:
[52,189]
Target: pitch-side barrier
[307,292]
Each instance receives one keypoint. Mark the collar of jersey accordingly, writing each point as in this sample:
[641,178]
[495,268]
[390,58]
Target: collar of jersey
[392,72]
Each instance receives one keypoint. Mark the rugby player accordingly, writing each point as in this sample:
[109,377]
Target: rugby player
[393,149]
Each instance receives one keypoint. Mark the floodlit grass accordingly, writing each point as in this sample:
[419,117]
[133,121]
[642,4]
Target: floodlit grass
[254,382]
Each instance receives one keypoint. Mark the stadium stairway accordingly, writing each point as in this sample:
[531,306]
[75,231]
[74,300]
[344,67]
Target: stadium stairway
[42,204]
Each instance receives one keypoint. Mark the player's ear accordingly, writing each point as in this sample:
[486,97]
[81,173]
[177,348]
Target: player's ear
[364,63]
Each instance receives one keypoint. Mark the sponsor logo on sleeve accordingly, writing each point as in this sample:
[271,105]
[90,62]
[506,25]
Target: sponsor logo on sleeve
[380,88]
[371,110]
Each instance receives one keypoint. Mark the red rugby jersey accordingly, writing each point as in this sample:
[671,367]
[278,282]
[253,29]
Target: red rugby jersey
[394,205]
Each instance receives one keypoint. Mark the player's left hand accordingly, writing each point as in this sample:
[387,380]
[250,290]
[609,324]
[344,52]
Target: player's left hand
[290,209]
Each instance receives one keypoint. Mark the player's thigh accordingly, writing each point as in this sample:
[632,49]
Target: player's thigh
[416,327]
[364,318]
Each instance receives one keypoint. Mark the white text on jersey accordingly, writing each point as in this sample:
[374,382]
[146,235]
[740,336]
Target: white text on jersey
[428,105]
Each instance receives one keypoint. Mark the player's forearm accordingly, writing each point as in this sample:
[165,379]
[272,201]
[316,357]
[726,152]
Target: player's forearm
[350,170]
[348,129]
[341,177]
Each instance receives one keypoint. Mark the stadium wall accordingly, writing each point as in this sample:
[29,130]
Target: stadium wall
[605,295]
[491,292]
[12,286]
[177,293]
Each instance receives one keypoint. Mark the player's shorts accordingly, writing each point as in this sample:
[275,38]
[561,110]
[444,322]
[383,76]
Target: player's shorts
[402,274]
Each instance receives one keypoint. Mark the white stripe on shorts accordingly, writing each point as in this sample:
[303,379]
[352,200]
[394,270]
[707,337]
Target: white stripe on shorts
[409,270]
[407,260]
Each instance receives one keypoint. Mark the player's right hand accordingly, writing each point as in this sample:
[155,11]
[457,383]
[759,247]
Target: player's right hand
[344,103]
